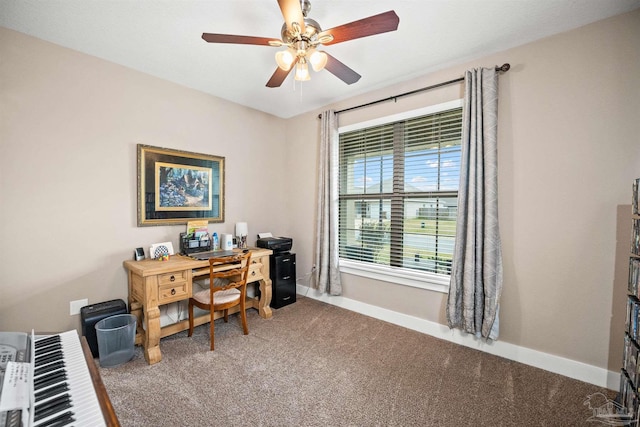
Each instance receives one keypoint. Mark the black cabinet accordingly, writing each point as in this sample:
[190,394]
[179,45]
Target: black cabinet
[282,268]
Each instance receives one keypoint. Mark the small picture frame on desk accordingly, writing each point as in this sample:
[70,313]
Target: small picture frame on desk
[138,254]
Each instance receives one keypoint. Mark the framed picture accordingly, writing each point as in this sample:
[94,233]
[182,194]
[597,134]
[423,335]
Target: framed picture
[636,197]
[175,186]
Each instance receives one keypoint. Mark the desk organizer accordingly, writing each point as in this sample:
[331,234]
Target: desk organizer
[189,245]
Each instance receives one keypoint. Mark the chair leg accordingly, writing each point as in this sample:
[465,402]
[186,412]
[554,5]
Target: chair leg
[243,316]
[211,330]
[226,315]
[190,318]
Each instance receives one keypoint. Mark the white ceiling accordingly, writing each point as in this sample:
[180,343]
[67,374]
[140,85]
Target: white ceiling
[163,38]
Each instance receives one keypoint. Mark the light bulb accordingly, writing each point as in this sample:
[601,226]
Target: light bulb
[284,59]
[302,72]
[318,60]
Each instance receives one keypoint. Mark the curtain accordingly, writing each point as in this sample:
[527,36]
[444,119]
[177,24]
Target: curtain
[327,273]
[476,275]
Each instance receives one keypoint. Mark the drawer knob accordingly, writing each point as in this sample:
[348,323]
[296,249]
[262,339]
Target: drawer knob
[173,291]
[253,273]
[173,278]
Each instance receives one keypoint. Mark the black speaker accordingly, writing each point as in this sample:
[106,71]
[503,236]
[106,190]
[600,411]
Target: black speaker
[92,314]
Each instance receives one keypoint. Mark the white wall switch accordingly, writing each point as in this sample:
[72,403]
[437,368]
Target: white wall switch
[75,306]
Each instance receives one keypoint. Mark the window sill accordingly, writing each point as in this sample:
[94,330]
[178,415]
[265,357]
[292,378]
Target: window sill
[422,280]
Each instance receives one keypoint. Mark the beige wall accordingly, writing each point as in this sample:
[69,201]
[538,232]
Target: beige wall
[69,128]
[569,148]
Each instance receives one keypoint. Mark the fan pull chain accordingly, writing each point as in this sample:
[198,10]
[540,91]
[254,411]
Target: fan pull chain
[301,91]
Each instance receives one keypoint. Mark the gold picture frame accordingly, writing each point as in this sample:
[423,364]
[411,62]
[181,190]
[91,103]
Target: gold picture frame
[176,186]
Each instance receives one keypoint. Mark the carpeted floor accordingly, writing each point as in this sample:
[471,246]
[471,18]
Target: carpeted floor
[315,364]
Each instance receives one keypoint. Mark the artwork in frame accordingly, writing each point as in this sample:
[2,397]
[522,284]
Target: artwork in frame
[176,186]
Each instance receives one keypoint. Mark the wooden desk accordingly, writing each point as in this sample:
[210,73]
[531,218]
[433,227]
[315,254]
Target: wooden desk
[153,283]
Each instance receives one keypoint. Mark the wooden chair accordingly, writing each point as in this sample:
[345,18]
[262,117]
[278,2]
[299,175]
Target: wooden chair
[224,294]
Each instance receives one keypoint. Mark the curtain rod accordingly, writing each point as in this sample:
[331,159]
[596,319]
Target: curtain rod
[504,68]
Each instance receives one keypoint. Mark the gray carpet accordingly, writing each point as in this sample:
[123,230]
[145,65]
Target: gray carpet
[315,364]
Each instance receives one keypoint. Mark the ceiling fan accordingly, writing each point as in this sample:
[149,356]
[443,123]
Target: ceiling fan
[302,36]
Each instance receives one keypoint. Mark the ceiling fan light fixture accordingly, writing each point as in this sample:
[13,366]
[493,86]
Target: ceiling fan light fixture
[302,71]
[318,59]
[285,58]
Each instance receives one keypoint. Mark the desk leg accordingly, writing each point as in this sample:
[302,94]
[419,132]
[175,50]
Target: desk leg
[152,336]
[136,309]
[264,308]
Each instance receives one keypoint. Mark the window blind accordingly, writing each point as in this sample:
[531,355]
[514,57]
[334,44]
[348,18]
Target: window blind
[398,192]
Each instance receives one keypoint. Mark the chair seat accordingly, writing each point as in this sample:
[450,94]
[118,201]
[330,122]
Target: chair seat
[220,297]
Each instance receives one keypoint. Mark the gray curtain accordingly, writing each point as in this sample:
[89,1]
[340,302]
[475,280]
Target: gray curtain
[327,273]
[476,275]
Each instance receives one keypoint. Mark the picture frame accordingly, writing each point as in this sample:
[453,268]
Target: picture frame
[176,186]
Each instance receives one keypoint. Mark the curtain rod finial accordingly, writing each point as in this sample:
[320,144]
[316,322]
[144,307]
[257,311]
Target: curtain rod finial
[504,68]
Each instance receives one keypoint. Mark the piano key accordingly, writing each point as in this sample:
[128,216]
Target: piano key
[51,407]
[49,348]
[50,354]
[64,419]
[55,377]
[40,342]
[52,366]
[56,355]
[50,392]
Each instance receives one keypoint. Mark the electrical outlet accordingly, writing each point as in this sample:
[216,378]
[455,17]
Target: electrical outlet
[75,306]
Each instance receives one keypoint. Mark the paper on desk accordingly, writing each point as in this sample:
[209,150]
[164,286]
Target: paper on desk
[198,228]
[15,387]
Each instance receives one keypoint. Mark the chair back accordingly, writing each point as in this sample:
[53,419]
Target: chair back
[236,270]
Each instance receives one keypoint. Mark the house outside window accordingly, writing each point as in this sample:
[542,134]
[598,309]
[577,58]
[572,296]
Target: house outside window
[398,180]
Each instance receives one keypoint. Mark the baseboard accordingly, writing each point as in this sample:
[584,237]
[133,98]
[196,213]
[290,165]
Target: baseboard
[559,365]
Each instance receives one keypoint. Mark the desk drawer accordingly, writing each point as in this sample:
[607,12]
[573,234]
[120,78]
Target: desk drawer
[173,292]
[255,272]
[172,278]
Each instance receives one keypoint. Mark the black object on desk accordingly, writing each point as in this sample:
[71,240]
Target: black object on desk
[276,244]
[190,245]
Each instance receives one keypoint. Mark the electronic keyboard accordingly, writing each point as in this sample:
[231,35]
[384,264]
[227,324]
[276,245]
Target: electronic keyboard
[61,385]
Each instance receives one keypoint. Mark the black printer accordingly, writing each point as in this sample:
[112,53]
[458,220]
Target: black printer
[276,244]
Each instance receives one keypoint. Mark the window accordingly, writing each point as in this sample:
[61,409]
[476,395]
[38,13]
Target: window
[398,196]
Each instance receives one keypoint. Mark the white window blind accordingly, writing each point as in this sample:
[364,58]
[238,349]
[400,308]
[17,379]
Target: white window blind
[398,192]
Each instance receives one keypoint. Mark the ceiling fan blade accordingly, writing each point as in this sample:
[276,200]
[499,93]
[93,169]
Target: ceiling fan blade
[230,38]
[376,24]
[279,75]
[292,12]
[341,71]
